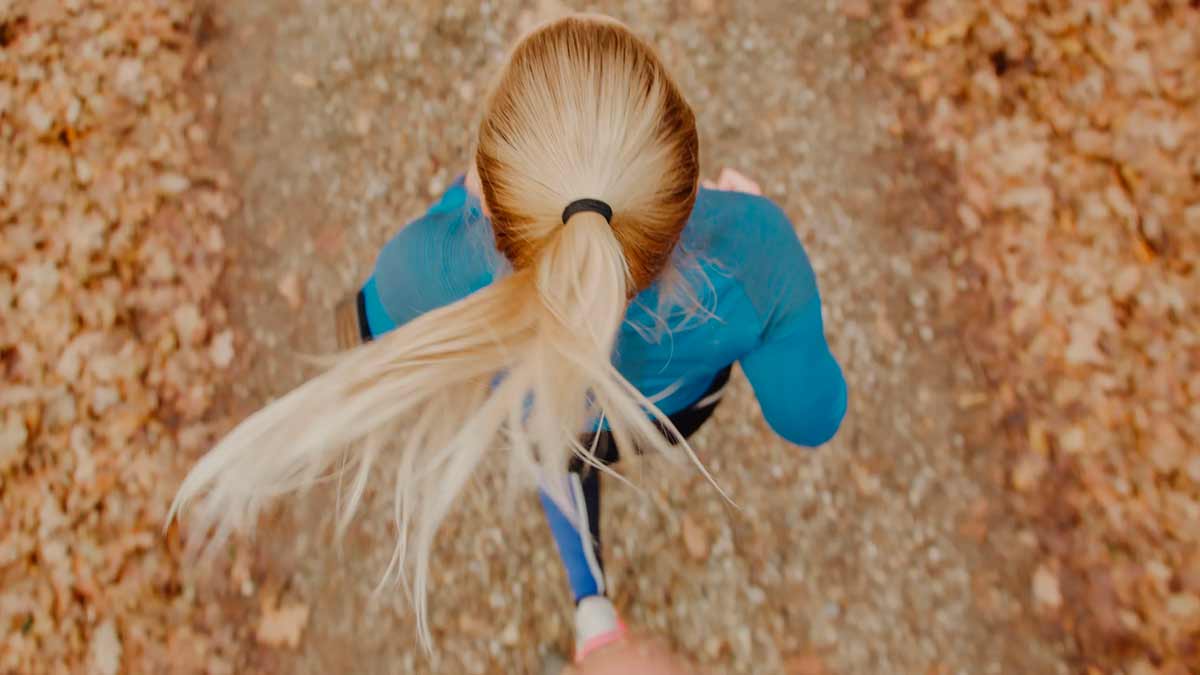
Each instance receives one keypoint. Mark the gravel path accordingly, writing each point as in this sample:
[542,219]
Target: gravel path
[888,551]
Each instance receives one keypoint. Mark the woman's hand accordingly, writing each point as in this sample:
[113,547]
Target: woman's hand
[633,656]
[732,180]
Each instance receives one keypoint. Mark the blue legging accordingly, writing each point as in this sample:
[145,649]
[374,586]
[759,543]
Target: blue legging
[577,532]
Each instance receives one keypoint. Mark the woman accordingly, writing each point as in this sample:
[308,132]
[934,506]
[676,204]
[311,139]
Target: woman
[591,297]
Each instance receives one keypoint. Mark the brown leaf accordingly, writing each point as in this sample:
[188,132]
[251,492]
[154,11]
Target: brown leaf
[1168,450]
[239,571]
[105,649]
[1184,607]
[13,435]
[856,9]
[971,399]
[173,183]
[292,290]
[1073,440]
[1028,471]
[221,350]
[304,80]
[807,663]
[361,124]
[975,521]
[695,539]
[470,624]
[330,240]
[1046,592]
[281,625]
[867,481]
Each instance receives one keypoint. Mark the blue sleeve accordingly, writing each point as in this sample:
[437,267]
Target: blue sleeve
[798,383]
[378,320]
[440,258]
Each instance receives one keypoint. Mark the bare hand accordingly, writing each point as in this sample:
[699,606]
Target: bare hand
[732,180]
[633,656]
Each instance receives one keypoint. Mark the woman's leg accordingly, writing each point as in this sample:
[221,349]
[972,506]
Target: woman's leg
[577,533]
[576,530]
[580,550]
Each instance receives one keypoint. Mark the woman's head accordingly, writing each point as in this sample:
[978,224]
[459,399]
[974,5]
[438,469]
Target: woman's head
[512,376]
[584,109]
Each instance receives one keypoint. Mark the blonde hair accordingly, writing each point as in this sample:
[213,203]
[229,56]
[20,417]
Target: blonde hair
[522,369]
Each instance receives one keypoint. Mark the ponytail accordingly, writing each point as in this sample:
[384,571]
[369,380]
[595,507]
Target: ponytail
[526,360]
[521,370]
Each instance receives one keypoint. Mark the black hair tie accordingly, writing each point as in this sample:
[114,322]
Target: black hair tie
[581,205]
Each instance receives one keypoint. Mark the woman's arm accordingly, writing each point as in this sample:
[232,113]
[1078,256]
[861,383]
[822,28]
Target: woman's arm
[795,376]
[798,383]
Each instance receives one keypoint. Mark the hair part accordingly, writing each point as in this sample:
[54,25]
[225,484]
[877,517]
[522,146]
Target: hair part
[518,372]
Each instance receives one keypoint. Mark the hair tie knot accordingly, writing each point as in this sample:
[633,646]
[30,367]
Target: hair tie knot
[581,205]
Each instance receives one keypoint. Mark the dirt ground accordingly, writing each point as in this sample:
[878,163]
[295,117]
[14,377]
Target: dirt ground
[887,551]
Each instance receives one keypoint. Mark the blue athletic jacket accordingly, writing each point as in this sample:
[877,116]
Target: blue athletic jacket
[739,254]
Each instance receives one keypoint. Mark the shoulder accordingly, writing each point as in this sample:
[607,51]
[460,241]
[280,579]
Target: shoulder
[439,258]
[432,242]
[453,221]
[752,240]
[737,219]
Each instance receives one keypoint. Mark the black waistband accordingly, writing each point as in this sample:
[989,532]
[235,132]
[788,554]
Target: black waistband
[364,329]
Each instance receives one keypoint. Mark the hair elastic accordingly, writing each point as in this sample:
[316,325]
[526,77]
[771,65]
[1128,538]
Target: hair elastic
[581,205]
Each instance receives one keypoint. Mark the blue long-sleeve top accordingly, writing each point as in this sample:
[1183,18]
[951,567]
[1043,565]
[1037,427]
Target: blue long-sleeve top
[753,300]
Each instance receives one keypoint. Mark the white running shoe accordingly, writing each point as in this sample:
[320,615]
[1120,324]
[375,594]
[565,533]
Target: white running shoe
[596,625]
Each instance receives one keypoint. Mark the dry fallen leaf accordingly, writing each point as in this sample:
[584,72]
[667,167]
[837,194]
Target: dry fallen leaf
[173,183]
[470,624]
[361,125]
[282,625]
[291,289]
[105,649]
[805,664]
[867,481]
[330,240]
[1046,593]
[856,9]
[304,80]
[221,350]
[13,435]
[1028,471]
[695,540]
[1184,606]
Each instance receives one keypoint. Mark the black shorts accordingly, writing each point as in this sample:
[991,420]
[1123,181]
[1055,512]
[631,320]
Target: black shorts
[686,421]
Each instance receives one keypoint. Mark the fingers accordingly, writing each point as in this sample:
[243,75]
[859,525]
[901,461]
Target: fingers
[735,181]
[634,656]
[732,180]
